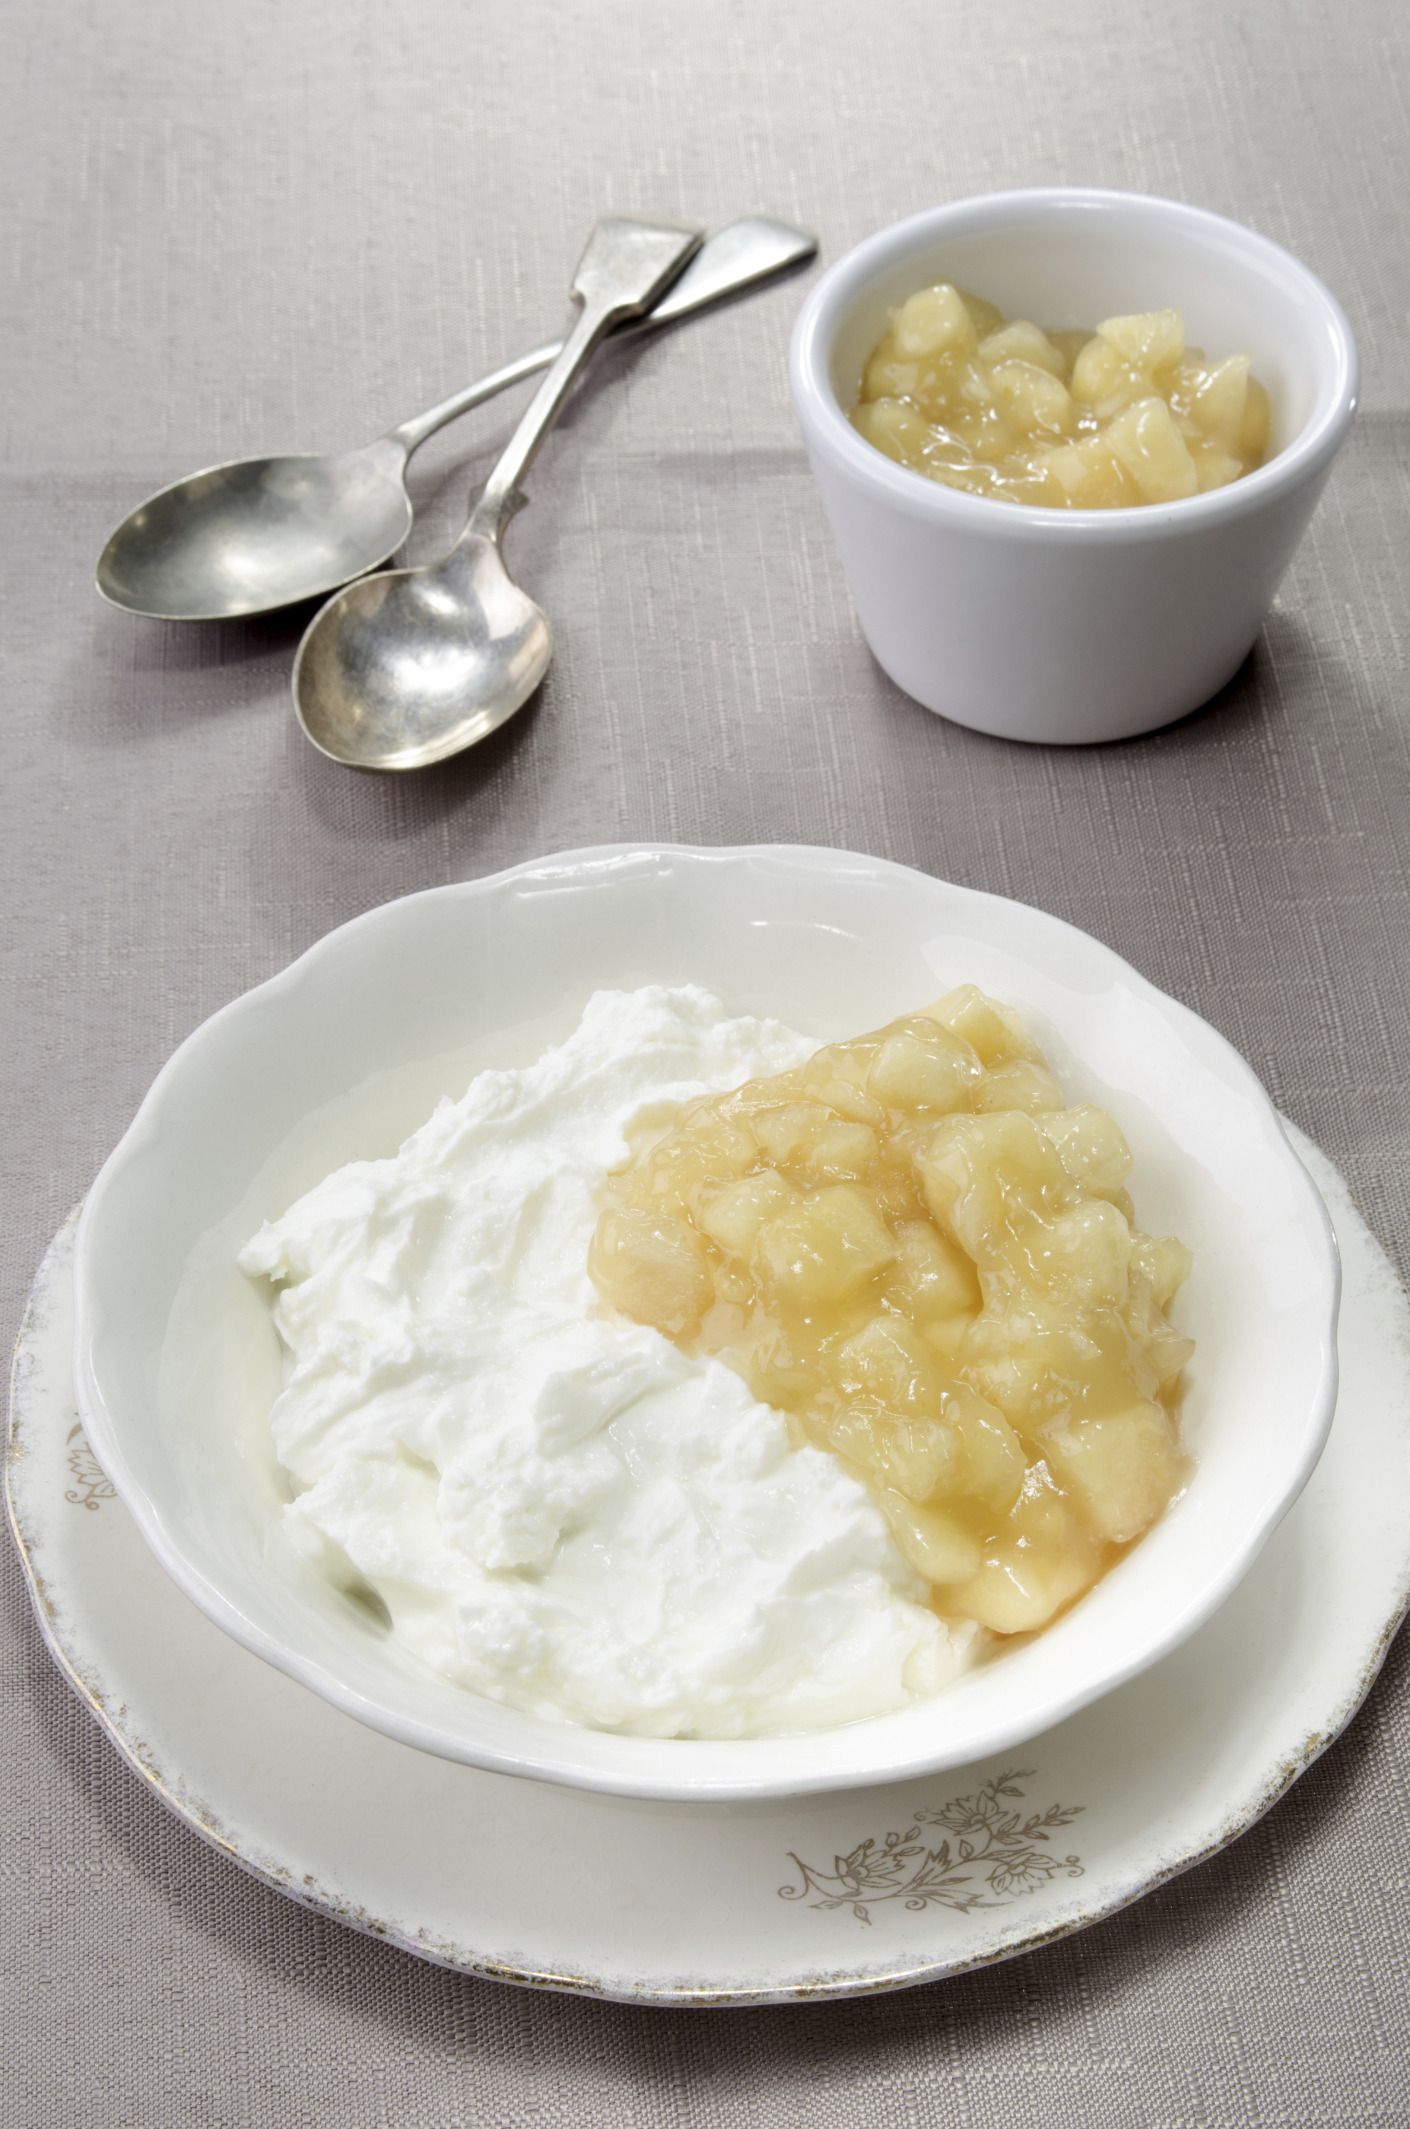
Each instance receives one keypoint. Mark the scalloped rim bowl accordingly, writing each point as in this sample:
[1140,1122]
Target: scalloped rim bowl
[339,1056]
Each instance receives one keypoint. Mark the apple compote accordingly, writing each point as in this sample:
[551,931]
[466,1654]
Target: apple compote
[914,1248]
[1067,420]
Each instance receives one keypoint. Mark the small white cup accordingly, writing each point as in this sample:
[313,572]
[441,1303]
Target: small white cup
[1071,626]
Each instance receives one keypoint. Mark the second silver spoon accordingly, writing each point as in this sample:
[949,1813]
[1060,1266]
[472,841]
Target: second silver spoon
[261,533]
[407,668]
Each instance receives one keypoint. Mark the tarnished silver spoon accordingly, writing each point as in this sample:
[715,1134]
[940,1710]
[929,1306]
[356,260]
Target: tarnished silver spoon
[411,666]
[261,533]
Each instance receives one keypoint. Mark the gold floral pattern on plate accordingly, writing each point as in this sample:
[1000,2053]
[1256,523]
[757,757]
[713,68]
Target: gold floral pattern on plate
[992,1857]
[91,1481]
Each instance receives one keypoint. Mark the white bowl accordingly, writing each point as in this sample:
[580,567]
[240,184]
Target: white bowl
[339,1057]
[1072,625]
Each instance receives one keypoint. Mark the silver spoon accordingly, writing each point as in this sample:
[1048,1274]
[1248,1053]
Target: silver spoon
[261,533]
[406,668]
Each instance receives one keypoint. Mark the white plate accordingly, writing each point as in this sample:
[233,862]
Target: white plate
[732,1903]
[177,1362]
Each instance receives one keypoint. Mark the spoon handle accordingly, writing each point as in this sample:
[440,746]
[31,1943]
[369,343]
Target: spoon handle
[625,267]
[733,259]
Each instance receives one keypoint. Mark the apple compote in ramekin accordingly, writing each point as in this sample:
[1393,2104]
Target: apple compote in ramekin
[1065,420]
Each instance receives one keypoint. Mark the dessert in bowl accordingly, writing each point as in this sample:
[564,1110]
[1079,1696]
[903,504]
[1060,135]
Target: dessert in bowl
[344,1054]
[1055,625]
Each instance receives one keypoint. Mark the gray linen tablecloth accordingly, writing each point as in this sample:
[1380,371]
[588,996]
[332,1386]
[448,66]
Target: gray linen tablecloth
[291,223]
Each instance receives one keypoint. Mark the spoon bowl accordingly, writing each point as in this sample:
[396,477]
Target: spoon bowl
[422,663]
[258,534]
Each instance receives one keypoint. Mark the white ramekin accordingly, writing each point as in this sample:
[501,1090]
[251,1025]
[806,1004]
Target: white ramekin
[1072,626]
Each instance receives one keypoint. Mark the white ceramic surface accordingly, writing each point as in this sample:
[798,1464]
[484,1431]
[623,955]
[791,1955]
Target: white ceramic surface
[688,1904]
[176,1361]
[1072,626]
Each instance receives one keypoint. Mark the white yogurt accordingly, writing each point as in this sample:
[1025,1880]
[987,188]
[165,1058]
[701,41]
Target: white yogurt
[558,1509]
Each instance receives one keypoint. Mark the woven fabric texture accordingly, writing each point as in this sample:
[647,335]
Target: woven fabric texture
[293,225]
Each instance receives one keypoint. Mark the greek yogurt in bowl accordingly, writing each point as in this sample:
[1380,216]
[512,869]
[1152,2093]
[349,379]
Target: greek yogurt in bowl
[559,1510]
